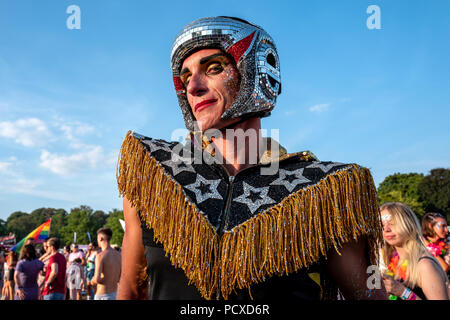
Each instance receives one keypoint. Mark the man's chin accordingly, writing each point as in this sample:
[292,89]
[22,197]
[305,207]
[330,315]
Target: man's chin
[218,125]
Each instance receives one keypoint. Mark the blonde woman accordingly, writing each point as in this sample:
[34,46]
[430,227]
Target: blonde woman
[413,273]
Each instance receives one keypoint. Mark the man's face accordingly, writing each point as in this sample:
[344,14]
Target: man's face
[212,83]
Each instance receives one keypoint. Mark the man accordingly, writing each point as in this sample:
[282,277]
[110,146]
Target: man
[283,226]
[55,277]
[108,266]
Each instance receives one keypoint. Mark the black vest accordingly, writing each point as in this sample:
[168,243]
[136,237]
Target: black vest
[258,234]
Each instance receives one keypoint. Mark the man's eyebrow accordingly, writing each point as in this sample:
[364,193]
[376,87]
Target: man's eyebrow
[184,71]
[206,59]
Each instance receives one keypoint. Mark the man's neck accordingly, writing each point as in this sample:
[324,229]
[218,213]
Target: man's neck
[105,247]
[240,145]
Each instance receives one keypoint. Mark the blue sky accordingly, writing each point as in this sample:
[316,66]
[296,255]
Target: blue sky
[376,97]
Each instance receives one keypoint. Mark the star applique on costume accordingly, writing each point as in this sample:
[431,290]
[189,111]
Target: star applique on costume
[254,197]
[178,164]
[324,167]
[204,189]
[290,179]
[159,145]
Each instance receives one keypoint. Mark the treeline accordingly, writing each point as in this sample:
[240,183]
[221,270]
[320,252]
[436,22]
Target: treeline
[81,220]
[422,193]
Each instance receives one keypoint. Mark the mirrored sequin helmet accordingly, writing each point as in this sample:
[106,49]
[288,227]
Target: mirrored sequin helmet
[254,53]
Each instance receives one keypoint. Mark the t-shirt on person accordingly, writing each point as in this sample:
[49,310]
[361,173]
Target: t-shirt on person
[75,255]
[57,285]
[27,273]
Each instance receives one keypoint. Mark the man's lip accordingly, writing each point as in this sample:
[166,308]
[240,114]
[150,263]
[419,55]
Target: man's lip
[204,103]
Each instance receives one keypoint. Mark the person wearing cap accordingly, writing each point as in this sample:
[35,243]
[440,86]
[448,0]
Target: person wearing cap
[230,214]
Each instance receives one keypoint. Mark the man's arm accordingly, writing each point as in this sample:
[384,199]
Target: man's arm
[96,279]
[53,274]
[133,257]
[349,271]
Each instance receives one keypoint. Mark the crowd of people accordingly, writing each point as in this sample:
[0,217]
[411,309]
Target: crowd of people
[414,258]
[69,273]
[414,262]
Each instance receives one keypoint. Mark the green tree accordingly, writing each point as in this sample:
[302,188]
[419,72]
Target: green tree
[403,187]
[20,224]
[99,220]
[114,224]
[58,216]
[434,191]
[79,220]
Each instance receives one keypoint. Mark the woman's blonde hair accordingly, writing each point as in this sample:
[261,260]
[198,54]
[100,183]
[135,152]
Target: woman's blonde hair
[408,227]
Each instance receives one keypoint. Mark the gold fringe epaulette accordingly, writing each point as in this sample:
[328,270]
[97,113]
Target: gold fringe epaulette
[291,235]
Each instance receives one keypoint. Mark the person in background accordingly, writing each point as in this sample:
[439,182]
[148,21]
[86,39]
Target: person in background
[435,232]
[90,270]
[54,284]
[26,274]
[108,266]
[413,273]
[9,267]
[45,255]
[66,253]
[75,276]
[2,263]
[76,254]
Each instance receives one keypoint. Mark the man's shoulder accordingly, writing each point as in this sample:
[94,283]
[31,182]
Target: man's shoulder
[153,144]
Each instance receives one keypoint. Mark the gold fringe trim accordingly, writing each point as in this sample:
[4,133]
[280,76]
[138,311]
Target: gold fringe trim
[300,229]
[289,236]
[186,235]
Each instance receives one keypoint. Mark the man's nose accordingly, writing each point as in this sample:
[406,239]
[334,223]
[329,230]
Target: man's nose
[197,85]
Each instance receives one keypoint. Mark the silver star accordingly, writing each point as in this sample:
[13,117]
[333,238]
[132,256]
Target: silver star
[282,181]
[158,145]
[324,167]
[199,193]
[251,204]
[178,164]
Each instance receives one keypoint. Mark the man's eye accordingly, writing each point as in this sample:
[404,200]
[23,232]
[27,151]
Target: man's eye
[186,80]
[215,68]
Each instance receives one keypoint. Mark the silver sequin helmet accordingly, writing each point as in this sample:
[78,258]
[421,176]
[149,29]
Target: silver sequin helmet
[254,53]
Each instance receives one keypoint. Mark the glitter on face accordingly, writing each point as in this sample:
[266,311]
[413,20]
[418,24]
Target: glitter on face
[257,63]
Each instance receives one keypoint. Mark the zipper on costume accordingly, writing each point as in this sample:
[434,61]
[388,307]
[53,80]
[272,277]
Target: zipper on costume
[227,205]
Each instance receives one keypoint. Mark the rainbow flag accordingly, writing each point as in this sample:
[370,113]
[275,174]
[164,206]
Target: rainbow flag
[39,235]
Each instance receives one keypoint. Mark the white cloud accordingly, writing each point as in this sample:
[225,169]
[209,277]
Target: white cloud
[4,166]
[89,157]
[319,107]
[28,132]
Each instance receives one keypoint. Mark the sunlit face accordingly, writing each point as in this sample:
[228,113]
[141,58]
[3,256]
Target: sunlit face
[440,228]
[391,233]
[212,83]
